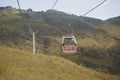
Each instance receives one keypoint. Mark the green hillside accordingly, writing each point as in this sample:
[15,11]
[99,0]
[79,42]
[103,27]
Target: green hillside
[22,65]
[98,41]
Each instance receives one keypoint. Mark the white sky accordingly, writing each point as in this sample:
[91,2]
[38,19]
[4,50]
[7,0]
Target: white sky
[110,8]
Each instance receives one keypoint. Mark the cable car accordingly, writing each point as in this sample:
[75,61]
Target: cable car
[69,45]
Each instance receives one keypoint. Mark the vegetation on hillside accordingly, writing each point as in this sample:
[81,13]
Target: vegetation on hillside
[98,41]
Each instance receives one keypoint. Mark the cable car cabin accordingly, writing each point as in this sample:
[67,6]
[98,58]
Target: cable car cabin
[69,45]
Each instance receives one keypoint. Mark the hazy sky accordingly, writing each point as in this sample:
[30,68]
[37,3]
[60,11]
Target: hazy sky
[110,8]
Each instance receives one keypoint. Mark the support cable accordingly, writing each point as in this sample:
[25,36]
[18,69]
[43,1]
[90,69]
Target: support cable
[23,20]
[94,8]
[54,4]
[88,13]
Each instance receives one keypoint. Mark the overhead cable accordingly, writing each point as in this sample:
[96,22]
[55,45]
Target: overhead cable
[94,8]
[21,13]
[54,4]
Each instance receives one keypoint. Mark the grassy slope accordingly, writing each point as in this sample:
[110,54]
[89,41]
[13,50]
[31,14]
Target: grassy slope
[22,65]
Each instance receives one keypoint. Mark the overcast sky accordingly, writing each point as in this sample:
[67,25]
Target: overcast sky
[111,8]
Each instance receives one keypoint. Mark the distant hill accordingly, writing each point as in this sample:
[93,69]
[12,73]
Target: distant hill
[23,65]
[98,41]
[115,20]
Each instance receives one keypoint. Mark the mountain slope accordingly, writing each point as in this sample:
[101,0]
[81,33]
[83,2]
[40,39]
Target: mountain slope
[23,65]
[115,20]
[98,41]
